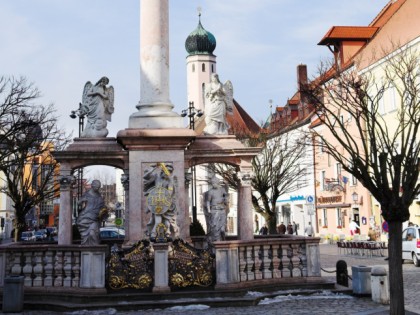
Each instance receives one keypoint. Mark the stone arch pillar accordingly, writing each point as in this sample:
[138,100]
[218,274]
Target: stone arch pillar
[245,209]
[65,233]
[125,181]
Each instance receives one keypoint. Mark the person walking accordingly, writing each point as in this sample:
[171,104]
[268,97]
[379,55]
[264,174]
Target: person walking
[289,228]
[295,228]
[309,230]
[264,230]
[281,229]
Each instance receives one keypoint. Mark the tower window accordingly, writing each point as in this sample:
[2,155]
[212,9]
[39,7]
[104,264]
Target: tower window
[203,67]
[193,67]
[212,68]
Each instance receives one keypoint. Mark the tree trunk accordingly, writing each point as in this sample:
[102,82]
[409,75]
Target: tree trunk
[396,281]
[19,227]
[271,224]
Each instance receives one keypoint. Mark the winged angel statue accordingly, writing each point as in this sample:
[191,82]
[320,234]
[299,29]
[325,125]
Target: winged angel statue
[97,106]
[218,102]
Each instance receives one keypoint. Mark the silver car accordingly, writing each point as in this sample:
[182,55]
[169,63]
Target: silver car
[411,244]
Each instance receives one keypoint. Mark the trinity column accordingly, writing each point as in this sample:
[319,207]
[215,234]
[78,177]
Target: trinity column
[156,137]
[154,107]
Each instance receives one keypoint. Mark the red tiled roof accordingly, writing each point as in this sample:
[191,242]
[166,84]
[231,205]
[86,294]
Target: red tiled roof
[338,33]
[241,120]
[386,13]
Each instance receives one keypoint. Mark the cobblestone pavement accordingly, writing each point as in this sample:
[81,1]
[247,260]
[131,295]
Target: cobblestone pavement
[323,304]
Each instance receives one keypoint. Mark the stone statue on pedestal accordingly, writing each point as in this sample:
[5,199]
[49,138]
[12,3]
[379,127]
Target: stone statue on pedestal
[218,102]
[216,208]
[160,188]
[92,213]
[97,106]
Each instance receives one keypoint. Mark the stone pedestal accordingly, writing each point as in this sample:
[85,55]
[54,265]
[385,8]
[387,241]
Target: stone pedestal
[92,271]
[161,268]
[227,264]
[147,147]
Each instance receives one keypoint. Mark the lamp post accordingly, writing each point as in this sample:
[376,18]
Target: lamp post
[74,114]
[191,112]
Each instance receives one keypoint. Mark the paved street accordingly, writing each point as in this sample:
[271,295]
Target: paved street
[322,303]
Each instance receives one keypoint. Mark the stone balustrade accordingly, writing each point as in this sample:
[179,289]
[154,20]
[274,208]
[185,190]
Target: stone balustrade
[239,264]
[52,266]
[270,260]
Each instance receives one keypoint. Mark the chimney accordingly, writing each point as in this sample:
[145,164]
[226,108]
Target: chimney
[302,76]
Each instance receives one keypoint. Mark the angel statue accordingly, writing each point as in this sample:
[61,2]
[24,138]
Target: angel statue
[97,105]
[218,102]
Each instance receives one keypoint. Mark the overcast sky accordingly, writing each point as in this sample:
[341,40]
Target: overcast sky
[61,44]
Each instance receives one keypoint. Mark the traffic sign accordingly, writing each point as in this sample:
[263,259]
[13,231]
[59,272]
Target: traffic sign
[310,199]
[118,221]
[385,226]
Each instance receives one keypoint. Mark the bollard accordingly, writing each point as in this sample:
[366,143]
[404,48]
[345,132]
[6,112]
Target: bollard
[342,273]
[361,280]
[379,285]
[13,294]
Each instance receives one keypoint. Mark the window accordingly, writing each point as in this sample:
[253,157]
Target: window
[381,105]
[393,98]
[322,180]
[212,68]
[339,217]
[338,171]
[203,67]
[353,180]
[324,217]
[193,67]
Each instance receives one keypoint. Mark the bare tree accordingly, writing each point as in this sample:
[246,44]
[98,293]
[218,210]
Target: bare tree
[383,156]
[279,169]
[28,134]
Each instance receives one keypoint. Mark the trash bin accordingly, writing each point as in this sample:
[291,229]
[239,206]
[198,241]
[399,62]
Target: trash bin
[13,294]
[379,285]
[361,280]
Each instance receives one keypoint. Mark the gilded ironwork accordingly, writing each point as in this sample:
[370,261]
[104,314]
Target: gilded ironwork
[189,266]
[131,268]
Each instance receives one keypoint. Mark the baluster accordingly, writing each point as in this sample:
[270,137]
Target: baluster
[58,272]
[287,266]
[295,261]
[303,260]
[267,262]
[27,269]
[276,250]
[67,269]
[76,269]
[242,264]
[48,269]
[250,263]
[16,263]
[258,256]
[38,269]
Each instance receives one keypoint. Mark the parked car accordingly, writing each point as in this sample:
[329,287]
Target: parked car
[111,232]
[41,235]
[28,236]
[52,230]
[411,244]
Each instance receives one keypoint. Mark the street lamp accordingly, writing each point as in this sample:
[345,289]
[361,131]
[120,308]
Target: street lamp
[74,114]
[191,112]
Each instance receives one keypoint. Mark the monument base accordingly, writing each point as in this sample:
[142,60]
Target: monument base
[150,121]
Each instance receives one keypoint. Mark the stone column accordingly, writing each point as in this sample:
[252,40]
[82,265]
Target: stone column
[154,69]
[245,213]
[65,216]
[161,268]
[125,181]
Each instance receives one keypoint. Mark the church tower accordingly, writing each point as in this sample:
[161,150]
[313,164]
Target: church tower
[201,63]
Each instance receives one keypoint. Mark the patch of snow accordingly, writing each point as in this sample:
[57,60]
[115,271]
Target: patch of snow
[316,296]
[189,307]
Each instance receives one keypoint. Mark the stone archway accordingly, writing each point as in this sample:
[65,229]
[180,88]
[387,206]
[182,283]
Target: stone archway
[228,150]
[84,152]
